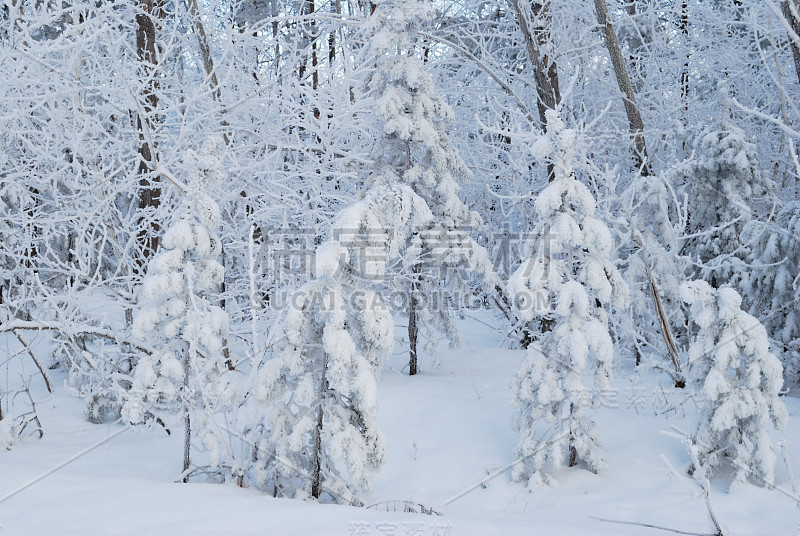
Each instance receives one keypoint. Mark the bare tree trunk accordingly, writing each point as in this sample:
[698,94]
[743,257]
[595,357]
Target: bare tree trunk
[684,27]
[316,468]
[223,304]
[624,83]
[205,49]
[314,67]
[316,462]
[187,438]
[545,70]
[336,9]
[413,328]
[306,9]
[537,39]
[635,54]
[573,452]
[663,321]
[150,191]
[187,442]
[792,14]
[683,24]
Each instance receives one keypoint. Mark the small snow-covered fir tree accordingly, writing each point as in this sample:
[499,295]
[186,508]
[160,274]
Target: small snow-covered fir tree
[770,287]
[186,371]
[722,179]
[570,266]
[733,370]
[415,150]
[321,437]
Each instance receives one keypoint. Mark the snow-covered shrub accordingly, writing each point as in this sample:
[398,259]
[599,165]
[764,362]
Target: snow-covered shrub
[8,435]
[655,217]
[770,285]
[186,370]
[571,267]
[733,370]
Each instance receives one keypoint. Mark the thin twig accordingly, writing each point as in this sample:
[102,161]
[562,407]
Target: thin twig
[650,526]
[36,361]
[82,329]
[502,83]
[62,464]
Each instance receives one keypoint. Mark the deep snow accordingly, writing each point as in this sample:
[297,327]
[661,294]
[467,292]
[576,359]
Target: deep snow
[446,431]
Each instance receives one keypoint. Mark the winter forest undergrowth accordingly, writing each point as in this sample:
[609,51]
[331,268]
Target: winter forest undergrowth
[399,267]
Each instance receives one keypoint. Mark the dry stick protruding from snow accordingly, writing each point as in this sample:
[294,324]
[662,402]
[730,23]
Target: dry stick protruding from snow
[663,322]
[788,463]
[34,417]
[703,487]
[651,526]
[503,303]
[36,361]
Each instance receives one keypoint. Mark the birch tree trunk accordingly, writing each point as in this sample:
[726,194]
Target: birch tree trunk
[684,27]
[187,438]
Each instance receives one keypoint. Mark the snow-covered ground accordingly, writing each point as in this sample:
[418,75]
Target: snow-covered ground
[447,431]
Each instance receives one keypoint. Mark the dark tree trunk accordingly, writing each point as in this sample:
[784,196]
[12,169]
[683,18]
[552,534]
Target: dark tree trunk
[187,441]
[794,22]
[573,453]
[537,41]
[187,438]
[316,469]
[625,87]
[684,27]
[413,328]
[545,70]
[149,11]
[316,462]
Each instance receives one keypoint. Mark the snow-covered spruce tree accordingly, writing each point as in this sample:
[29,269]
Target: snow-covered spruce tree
[321,437]
[769,286]
[732,368]
[570,272]
[722,180]
[186,371]
[415,149]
